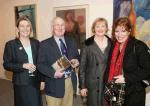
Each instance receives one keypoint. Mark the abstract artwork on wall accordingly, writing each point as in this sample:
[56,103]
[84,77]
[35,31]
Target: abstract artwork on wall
[122,8]
[142,9]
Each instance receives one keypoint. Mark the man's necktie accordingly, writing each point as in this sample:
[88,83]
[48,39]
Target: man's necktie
[64,52]
[63,48]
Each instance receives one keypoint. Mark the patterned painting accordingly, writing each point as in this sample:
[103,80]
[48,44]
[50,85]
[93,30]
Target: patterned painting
[78,17]
[142,9]
[122,8]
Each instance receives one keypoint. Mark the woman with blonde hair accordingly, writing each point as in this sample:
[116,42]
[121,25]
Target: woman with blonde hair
[20,57]
[94,57]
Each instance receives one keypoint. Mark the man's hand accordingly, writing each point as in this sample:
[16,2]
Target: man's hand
[74,63]
[42,85]
[59,73]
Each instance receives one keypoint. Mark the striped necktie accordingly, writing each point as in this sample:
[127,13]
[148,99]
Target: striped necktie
[63,48]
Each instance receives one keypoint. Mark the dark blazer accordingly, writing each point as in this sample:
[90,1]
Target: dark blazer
[48,54]
[15,56]
[136,67]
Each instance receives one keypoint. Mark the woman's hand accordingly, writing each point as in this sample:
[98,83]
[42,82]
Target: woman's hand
[83,92]
[29,66]
[119,79]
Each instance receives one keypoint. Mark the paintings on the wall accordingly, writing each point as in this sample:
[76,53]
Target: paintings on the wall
[29,11]
[75,22]
[142,9]
[122,8]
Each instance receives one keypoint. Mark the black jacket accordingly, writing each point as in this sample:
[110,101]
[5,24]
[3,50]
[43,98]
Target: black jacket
[136,67]
[15,56]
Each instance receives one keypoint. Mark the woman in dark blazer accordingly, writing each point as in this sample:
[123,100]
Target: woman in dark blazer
[130,63]
[94,56]
[20,57]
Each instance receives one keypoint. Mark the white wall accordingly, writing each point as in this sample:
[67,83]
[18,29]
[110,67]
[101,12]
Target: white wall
[6,29]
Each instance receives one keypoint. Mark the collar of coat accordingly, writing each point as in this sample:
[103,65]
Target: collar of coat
[90,40]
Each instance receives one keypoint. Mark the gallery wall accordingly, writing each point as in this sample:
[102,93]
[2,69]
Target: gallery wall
[44,15]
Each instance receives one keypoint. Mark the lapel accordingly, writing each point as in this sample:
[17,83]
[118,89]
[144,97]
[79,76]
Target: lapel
[20,50]
[33,49]
[98,50]
[20,46]
[68,45]
[129,48]
[55,47]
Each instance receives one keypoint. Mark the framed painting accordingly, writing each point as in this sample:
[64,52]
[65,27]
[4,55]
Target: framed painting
[142,10]
[122,8]
[75,18]
[29,11]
